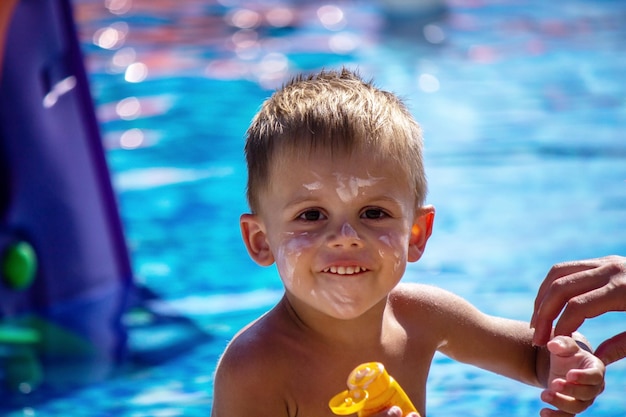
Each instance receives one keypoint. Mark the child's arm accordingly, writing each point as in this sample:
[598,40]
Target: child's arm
[574,377]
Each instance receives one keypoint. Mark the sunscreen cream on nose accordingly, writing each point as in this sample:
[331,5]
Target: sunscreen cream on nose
[348,231]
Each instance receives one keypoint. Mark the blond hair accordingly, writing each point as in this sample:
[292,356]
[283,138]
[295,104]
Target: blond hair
[336,112]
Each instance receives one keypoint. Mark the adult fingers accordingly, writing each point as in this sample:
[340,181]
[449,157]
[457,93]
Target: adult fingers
[588,305]
[556,272]
[568,268]
[613,349]
[555,296]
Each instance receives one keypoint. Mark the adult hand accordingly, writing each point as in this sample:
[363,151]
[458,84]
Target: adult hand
[582,290]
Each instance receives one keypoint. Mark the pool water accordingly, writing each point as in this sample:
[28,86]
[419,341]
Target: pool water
[523,106]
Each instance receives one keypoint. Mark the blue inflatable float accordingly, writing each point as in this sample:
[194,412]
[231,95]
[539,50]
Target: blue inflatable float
[67,295]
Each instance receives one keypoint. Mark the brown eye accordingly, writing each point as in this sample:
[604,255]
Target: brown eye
[374,214]
[311,215]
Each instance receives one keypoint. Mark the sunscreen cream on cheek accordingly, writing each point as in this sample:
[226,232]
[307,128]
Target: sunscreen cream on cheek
[289,252]
[392,250]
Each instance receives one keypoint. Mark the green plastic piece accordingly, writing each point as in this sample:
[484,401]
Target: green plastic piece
[19,265]
[14,335]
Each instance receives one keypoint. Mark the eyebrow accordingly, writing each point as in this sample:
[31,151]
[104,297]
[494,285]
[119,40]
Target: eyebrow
[308,198]
[300,200]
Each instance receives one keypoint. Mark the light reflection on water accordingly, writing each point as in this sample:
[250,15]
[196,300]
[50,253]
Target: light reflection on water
[523,111]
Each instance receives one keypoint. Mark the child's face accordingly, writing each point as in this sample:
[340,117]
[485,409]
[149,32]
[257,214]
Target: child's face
[340,231]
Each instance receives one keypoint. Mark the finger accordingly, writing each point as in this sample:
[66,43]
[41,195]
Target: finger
[578,392]
[587,305]
[557,295]
[394,411]
[593,374]
[546,412]
[613,349]
[556,272]
[563,357]
[606,292]
[562,288]
[564,269]
[563,346]
[565,403]
[542,331]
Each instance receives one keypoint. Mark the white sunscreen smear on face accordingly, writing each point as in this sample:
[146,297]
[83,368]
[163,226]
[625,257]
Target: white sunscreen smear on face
[289,252]
[387,240]
[348,187]
[313,186]
[348,231]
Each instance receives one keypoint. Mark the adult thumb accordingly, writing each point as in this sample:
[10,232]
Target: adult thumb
[613,349]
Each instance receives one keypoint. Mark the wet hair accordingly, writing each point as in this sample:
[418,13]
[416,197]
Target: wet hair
[335,112]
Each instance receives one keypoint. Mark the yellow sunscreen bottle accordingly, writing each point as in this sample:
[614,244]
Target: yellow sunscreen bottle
[371,390]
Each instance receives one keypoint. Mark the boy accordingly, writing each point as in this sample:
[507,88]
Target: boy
[336,187]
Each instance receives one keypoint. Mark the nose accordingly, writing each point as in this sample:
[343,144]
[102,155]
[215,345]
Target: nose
[345,236]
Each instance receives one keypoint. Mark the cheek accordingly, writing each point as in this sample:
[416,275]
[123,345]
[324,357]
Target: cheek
[289,251]
[393,247]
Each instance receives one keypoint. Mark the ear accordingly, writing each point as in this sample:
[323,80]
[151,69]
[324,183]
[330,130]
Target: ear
[255,239]
[420,232]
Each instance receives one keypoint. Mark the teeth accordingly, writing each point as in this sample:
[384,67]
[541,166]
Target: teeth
[345,270]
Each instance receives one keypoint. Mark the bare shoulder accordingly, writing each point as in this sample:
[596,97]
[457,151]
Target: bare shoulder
[423,310]
[250,364]
[441,306]
[463,332]
[433,309]
[427,297]
[246,349]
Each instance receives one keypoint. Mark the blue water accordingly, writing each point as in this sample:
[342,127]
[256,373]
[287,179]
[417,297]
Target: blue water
[523,106]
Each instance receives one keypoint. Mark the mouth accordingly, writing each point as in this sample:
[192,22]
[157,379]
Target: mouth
[345,270]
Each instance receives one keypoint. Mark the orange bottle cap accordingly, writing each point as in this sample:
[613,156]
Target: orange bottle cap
[371,377]
[348,402]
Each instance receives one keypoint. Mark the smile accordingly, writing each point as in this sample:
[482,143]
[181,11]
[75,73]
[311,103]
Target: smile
[345,270]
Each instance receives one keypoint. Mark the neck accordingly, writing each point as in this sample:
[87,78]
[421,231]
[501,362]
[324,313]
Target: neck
[365,330]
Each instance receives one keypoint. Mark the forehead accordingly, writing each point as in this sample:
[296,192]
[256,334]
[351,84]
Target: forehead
[345,172]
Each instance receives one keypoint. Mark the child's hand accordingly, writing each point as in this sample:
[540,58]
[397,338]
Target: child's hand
[394,412]
[576,378]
